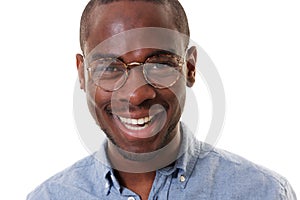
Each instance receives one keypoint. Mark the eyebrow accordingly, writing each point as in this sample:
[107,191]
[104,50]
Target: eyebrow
[158,52]
[97,56]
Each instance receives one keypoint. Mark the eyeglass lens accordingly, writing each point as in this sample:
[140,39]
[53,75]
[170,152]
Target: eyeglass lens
[111,74]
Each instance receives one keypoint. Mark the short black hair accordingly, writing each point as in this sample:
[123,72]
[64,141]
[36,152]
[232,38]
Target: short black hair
[180,18]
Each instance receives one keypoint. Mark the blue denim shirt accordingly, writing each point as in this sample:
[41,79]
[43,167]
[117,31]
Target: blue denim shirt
[202,172]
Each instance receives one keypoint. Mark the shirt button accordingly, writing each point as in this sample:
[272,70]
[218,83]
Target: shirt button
[182,178]
[131,198]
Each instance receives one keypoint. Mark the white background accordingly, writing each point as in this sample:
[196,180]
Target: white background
[254,44]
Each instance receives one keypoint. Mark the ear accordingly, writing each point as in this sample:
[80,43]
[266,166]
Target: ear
[191,66]
[80,69]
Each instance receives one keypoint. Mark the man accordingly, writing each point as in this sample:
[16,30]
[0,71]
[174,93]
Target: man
[135,67]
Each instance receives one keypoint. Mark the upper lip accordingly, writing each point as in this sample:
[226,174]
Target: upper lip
[134,112]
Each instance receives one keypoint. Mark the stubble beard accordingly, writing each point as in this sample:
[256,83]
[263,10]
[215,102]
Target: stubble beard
[133,156]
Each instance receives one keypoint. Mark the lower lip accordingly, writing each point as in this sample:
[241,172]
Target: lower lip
[147,131]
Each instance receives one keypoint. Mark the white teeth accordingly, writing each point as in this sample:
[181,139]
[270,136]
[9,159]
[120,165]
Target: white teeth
[136,121]
[136,128]
[141,121]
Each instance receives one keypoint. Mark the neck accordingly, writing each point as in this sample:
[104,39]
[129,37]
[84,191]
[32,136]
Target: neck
[138,175]
[144,162]
[140,183]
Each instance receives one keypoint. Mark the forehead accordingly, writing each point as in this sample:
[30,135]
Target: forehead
[116,21]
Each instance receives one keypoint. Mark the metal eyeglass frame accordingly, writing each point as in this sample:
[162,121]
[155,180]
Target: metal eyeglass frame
[180,60]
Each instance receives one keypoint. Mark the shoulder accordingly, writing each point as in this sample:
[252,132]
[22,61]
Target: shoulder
[239,175]
[236,165]
[80,176]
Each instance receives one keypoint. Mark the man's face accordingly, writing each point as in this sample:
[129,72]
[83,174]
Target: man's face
[136,101]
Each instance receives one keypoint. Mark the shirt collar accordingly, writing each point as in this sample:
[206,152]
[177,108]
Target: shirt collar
[105,171]
[188,154]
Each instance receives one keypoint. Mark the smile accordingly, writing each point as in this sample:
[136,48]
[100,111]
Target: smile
[140,125]
[136,124]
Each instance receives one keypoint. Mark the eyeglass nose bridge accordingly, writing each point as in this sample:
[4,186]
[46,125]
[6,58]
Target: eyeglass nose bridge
[132,64]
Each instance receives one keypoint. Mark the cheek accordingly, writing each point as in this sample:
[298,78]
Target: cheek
[175,98]
[97,101]
[90,98]
[178,94]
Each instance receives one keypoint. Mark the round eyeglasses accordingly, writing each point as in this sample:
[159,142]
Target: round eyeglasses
[160,71]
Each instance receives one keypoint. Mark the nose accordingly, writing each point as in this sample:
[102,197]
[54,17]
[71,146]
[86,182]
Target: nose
[136,90]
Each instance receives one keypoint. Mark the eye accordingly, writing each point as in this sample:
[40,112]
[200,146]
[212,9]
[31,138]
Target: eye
[106,66]
[109,69]
[160,66]
[159,69]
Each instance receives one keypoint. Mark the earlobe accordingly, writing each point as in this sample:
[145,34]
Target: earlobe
[191,66]
[80,70]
